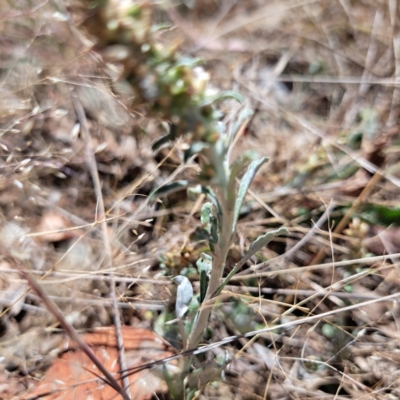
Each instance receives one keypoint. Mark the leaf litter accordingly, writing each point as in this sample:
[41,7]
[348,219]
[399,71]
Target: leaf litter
[320,79]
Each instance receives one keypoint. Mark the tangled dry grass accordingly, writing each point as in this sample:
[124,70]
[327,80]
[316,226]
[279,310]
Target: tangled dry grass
[76,169]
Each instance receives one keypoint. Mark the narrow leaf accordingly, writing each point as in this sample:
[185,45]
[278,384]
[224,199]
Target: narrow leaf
[244,115]
[239,163]
[245,184]
[216,156]
[214,230]
[168,189]
[162,140]
[200,234]
[258,244]
[213,198]
[236,167]
[262,241]
[204,268]
[210,222]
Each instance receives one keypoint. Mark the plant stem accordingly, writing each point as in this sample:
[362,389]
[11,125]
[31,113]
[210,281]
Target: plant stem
[218,264]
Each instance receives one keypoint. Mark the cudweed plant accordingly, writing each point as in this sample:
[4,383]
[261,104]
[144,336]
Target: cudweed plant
[172,88]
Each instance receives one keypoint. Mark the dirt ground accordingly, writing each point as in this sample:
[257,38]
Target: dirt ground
[322,79]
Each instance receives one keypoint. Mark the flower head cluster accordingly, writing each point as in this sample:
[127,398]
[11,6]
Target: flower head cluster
[170,87]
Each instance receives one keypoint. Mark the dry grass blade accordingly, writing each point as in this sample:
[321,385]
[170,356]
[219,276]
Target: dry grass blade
[102,215]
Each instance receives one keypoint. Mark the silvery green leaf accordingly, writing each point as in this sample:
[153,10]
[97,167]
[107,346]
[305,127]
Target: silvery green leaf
[237,166]
[245,184]
[204,263]
[192,192]
[210,222]
[189,61]
[216,155]
[221,147]
[239,163]
[258,244]
[244,115]
[220,127]
[207,258]
[213,198]
[184,295]
[195,148]
[168,189]
[206,213]
[262,241]
[229,94]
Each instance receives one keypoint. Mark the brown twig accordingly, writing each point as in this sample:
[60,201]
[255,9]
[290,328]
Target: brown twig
[74,335]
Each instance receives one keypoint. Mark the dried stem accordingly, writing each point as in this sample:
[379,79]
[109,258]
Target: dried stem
[102,217]
[74,335]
